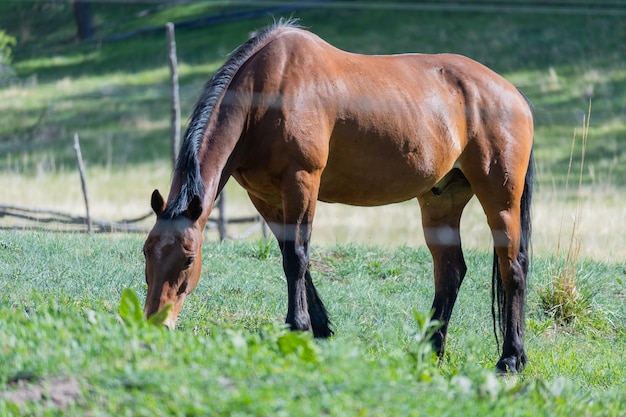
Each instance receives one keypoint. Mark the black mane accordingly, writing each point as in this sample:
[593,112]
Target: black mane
[187,164]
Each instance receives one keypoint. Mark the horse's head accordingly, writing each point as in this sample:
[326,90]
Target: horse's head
[173,252]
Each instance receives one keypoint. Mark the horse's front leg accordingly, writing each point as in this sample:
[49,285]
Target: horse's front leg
[317,311]
[295,261]
[449,271]
[305,308]
[302,301]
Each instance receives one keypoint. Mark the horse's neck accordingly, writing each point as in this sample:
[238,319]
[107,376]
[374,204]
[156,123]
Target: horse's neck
[216,163]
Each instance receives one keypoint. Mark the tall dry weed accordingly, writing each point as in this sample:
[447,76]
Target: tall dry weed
[562,299]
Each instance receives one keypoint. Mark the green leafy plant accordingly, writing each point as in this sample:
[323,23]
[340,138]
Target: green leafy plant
[132,314]
[263,249]
[382,269]
[298,343]
[421,350]
[7,42]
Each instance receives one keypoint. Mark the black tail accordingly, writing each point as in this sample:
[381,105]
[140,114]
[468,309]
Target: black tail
[498,297]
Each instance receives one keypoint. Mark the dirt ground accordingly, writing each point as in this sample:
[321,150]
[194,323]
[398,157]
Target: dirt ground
[57,392]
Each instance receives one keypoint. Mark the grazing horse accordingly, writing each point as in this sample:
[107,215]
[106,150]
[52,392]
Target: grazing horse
[295,120]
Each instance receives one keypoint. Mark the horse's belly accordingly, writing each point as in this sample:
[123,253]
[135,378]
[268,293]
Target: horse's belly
[374,185]
[376,168]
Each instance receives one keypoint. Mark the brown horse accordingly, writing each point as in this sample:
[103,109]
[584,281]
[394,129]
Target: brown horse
[295,120]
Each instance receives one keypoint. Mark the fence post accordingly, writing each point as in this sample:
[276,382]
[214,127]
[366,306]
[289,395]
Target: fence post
[221,217]
[83,180]
[173,64]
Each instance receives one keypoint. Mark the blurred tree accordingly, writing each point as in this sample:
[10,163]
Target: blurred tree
[84,19]
[7,43]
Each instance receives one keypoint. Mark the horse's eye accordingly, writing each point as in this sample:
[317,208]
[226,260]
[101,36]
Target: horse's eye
[189,261]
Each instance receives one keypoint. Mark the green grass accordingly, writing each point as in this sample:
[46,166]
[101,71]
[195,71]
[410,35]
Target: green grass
[60,321]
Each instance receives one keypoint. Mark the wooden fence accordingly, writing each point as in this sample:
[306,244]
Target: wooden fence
[51,219]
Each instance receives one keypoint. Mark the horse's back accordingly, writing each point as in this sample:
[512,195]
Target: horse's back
[382,128]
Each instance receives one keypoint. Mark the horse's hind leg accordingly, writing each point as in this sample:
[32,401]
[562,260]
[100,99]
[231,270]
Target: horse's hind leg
[500,192]
[441,214]
[505,226]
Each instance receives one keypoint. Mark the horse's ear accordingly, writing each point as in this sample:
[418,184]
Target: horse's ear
[194,210]
[157,203]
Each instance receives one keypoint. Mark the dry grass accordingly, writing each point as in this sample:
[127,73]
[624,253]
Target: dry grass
[562,299]
[117,194]
[114,194]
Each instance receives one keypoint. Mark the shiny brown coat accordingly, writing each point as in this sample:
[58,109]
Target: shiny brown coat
[298,120]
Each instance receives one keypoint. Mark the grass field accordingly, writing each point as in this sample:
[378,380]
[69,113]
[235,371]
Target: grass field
[66,348]
[61,325]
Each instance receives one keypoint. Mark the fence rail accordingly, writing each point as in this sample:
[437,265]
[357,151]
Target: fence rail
[57,220]
[50,219]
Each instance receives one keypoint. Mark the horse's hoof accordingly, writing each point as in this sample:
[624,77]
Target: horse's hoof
[511,364]
[322,332]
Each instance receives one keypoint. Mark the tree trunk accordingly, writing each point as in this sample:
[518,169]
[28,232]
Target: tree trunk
[84,20]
